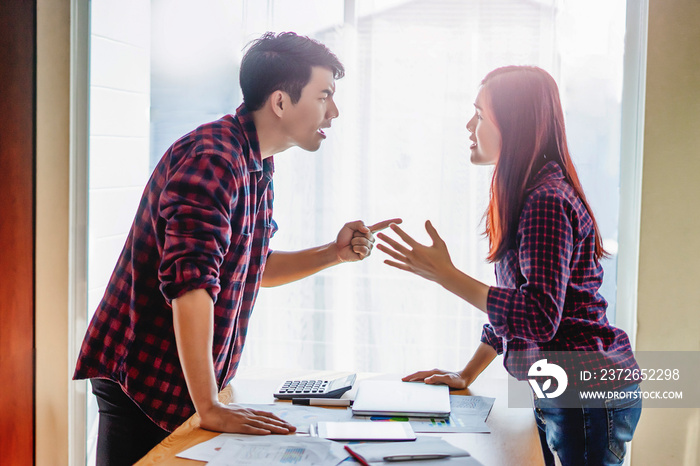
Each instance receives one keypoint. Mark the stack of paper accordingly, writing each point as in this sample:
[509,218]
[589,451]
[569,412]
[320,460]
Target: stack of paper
[246,450]
[467,414]
[423,449]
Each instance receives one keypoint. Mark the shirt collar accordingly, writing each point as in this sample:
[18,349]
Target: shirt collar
[550,171]
[255,160]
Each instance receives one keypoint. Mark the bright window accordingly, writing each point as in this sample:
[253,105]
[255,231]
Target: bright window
[399,149]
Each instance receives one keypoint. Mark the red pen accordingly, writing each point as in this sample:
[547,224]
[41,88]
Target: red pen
[357,457]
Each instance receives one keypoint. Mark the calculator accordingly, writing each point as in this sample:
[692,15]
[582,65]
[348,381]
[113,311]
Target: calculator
[315,388]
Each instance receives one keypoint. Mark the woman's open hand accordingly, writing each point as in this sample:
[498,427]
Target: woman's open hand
[431,262]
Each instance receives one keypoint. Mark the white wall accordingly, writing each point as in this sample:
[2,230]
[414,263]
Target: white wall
[53,359]
[120,85]
[669,295]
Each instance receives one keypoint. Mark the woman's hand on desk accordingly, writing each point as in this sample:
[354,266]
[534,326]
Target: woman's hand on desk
[483,356]
[439,377]
[235,419]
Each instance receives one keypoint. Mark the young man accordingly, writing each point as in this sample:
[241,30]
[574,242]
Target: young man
[170,329]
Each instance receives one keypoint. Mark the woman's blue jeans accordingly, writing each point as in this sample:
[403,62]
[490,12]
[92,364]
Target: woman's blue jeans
[591,434]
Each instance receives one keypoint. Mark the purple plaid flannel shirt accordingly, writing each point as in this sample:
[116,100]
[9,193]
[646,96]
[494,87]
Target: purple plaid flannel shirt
[546,298]
[204,222]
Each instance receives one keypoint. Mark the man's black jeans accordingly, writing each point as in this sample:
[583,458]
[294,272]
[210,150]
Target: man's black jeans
[125,433]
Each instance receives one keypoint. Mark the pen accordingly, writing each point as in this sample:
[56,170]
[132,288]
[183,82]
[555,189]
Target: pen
[415,457]
[357,457]
[321,402]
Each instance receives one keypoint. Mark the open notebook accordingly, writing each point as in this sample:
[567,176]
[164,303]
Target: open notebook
[396,398]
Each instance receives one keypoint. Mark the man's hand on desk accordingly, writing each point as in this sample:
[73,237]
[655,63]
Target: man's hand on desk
[234,419]
[437,377]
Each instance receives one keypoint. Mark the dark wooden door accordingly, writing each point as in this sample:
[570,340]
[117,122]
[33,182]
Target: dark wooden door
[17,188]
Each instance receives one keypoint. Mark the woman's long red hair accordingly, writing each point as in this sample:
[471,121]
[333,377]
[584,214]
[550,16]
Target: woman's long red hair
[524,102]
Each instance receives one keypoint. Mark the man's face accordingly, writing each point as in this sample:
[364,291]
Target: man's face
[304,121]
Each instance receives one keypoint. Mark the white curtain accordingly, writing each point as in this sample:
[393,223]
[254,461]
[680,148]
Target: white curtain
[400,149]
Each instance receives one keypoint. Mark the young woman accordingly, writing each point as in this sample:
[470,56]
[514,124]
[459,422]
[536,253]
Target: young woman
[546,247]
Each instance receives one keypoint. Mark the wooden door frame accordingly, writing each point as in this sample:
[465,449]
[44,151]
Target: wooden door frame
[17,229]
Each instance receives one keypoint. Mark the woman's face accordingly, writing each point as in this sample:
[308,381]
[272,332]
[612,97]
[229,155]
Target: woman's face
[485,135]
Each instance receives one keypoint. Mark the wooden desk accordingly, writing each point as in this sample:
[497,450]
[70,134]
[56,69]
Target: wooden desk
[513,439]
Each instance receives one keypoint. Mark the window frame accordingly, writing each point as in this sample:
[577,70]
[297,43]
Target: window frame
[632,132]
[631,158]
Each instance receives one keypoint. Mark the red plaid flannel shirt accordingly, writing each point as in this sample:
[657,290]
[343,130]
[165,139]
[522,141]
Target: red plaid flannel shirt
[546,298]
[204,222]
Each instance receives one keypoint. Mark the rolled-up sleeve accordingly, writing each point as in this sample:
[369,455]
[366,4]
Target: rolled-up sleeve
[195,205]
[533,310]
[489,337]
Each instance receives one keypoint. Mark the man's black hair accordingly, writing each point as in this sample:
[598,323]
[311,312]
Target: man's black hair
[282,62]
